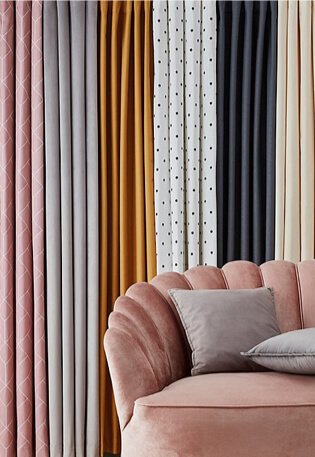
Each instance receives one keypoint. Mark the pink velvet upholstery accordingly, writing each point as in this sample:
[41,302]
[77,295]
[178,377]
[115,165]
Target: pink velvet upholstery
[163,412]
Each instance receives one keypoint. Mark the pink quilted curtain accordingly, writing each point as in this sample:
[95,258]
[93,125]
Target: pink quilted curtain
[23,392]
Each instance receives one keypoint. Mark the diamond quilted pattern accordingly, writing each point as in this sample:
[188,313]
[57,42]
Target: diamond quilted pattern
[37,160]
[23,237]
[23,390]
[7,339]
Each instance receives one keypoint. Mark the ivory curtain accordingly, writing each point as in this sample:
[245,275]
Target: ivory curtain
[246,100]
[295,183]
[185,133]
[71,147]
[23,387]
[127,250]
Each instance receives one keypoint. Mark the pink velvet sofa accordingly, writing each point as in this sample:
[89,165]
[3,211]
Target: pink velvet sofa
[164,412]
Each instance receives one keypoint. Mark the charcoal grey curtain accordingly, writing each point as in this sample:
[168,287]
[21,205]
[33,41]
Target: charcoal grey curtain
[246,109]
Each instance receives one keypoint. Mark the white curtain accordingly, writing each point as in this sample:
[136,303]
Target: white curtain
[185,133]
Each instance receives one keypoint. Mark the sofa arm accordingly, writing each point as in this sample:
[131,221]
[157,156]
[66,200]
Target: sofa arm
[132,376]
[144,347]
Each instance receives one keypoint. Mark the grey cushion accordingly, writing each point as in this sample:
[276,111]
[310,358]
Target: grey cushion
[291,352]
[219,324]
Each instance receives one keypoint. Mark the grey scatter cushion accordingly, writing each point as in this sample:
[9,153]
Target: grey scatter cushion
[291,352]
[219,324]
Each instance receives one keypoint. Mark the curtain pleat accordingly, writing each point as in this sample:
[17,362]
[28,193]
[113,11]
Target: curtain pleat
[23,234]
[71,126]
[38,231]
[53,230]
[78,98]
[246,75]
[271,111]
[307,127]
[66,224]
[92,190]
[281,128]
[7,223]
[295,221]
[292,195]
[222,50]
[23,423]
[127,242]
[246,132]
[185,133]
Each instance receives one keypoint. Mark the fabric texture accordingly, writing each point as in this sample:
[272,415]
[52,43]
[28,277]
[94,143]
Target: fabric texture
[185,133]
[71,130]
[295,178]
[146,351]
[219,324]
[291,352]
[127,249]
[23,386]
[246,135]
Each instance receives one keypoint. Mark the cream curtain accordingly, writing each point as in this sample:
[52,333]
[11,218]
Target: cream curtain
[295,186]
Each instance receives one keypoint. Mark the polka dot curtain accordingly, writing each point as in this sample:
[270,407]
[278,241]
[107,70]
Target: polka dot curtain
[185,133]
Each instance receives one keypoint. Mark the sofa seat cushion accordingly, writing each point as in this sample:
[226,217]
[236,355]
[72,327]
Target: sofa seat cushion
[224,415]
[235,390]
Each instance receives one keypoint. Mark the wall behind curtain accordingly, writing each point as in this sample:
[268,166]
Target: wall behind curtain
[23,387]
[185,133]
[71,147]
[127,239]
[295,183]
[246,98]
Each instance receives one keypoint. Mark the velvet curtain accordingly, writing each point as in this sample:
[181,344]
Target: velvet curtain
[185,133]
[246,111]
[71,211]
[23,386]
[295,178]
[127,237]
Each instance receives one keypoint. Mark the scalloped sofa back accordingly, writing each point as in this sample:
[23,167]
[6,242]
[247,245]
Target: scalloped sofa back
[164,412]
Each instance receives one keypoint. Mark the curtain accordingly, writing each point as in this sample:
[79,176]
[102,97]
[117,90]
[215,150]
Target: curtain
[295,183]
[127,241]
[23,387]
[185,133]
[246,111]
[71,150]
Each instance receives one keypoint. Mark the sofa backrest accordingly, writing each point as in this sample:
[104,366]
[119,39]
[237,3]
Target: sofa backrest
[293,285]
[145,317]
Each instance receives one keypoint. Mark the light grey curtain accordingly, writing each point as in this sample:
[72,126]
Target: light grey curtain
[70,80]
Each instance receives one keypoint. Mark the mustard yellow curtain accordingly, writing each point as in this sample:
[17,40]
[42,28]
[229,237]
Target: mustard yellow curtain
[127,233]
[295,139]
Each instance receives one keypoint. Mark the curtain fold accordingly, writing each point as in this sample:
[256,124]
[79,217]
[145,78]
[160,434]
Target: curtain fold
[71,147]
[295,183]
[246,72]
[93,246]
[127,240]
[7,215]
[185,133]
[66,221]
[53,229]
[24,413]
